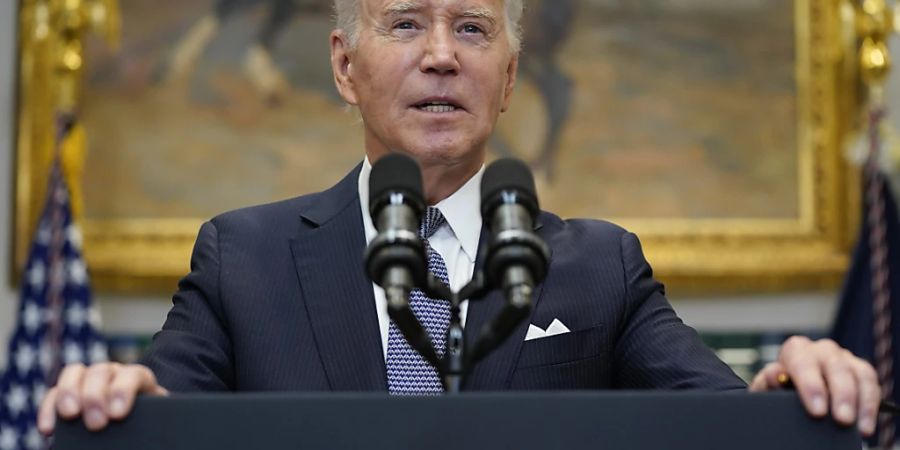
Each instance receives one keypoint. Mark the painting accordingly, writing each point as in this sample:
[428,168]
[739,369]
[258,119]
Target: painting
[698,124]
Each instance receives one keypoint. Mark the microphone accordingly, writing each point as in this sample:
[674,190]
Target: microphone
[396,258]
[516,258]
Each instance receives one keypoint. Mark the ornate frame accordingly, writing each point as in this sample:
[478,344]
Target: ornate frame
[809,251]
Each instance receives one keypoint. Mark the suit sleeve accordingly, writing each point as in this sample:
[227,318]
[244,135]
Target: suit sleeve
[655,349]
[192,352]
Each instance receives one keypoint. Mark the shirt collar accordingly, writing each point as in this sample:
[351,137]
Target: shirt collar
[363,188]
[461,209]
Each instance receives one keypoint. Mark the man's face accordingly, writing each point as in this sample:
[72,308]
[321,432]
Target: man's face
[430,77]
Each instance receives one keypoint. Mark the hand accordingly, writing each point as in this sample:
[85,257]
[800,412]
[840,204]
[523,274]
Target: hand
[822,371]
[99,392]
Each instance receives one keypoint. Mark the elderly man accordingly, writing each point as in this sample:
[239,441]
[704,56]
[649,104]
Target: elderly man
[277,299]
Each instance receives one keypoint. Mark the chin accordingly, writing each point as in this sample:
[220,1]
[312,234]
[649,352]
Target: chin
[444,154]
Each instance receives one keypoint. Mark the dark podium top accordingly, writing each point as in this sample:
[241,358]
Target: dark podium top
[521,421]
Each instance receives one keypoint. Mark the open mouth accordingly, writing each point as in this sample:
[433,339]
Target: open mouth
[437,107]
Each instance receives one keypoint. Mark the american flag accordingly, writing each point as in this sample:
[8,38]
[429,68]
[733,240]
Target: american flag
[868,319]
[56,324]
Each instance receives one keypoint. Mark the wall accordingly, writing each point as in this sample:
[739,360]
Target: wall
[7,99]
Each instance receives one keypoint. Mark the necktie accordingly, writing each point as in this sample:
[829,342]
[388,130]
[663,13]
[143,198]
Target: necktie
[407,372]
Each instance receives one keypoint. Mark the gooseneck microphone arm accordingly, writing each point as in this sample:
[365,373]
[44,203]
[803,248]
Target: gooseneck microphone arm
[395,259]
[515,259]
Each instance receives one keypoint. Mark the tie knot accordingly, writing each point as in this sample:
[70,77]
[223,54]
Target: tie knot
[431,221]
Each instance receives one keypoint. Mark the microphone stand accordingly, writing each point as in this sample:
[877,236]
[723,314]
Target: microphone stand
[454,366]
[459,358]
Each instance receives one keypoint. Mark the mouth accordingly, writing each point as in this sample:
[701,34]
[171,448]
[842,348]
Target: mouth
[438,106]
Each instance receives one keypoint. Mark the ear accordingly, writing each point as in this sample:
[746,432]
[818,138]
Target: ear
[341,54]
[511,72]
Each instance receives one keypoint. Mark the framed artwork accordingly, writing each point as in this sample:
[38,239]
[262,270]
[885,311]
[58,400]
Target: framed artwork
[712,129]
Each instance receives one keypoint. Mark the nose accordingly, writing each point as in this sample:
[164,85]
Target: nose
[440,52]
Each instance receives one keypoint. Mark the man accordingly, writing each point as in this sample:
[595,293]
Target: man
[277,299]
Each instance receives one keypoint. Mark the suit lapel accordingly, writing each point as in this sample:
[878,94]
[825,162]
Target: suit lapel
[336,291]
[495,371]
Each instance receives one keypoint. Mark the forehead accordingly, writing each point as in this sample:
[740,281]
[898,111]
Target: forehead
[453,6]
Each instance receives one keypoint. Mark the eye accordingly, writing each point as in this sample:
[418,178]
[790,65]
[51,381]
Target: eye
[471,28]
[405,25]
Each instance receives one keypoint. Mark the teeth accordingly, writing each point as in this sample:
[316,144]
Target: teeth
[438,107]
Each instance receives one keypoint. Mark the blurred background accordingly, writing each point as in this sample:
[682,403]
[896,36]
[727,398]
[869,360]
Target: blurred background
[685,165]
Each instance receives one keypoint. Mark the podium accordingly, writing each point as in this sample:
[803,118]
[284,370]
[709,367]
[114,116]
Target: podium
[521,421]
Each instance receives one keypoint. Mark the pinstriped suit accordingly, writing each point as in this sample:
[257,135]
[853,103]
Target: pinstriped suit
[277,299]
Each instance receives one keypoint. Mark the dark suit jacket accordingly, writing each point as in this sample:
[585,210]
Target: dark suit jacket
[277,299]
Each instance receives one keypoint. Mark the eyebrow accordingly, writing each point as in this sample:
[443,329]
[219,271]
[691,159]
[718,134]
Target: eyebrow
[401,7]
[480,13]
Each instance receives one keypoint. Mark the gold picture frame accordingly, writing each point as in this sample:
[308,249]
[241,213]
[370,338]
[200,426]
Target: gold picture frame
[810,250]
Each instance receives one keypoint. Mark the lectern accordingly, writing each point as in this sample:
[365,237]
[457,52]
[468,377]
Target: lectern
[520,421]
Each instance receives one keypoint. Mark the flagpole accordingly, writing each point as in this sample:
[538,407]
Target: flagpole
[56,190]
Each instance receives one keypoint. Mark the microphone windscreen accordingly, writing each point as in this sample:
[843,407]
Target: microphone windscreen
[394,172]
[508,175]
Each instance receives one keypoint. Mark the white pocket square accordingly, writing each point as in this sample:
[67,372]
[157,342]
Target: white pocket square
[536,332]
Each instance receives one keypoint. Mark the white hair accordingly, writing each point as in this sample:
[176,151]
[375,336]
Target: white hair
[347,14]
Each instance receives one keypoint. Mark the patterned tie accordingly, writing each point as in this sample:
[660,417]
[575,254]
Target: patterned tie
[407,372]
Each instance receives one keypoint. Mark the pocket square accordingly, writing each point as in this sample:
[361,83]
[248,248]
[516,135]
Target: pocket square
[536,332]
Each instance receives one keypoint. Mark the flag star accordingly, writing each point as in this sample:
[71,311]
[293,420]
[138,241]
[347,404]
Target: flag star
[33,439]
[25,358]
[97,352]
[37,275]
[76,315]
[32,316]
[77,272]
[16,400]
[72,353]
[73,234]
[8,438]
[43,234]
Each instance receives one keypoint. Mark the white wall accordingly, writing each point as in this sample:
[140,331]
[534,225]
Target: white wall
[7,99]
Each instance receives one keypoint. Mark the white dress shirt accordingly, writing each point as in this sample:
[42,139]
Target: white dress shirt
[456,241]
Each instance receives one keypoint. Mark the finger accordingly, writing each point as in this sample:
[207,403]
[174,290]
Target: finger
[841,379]
[94,391]
[47,413]
[68,397]
[767,378]
[775,375]
[799,358]
[869,396]
[759,383]
[127,383]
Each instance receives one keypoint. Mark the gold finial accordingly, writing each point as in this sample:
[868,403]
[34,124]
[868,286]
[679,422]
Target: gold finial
[72,20]
[64,24]
[874,24]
